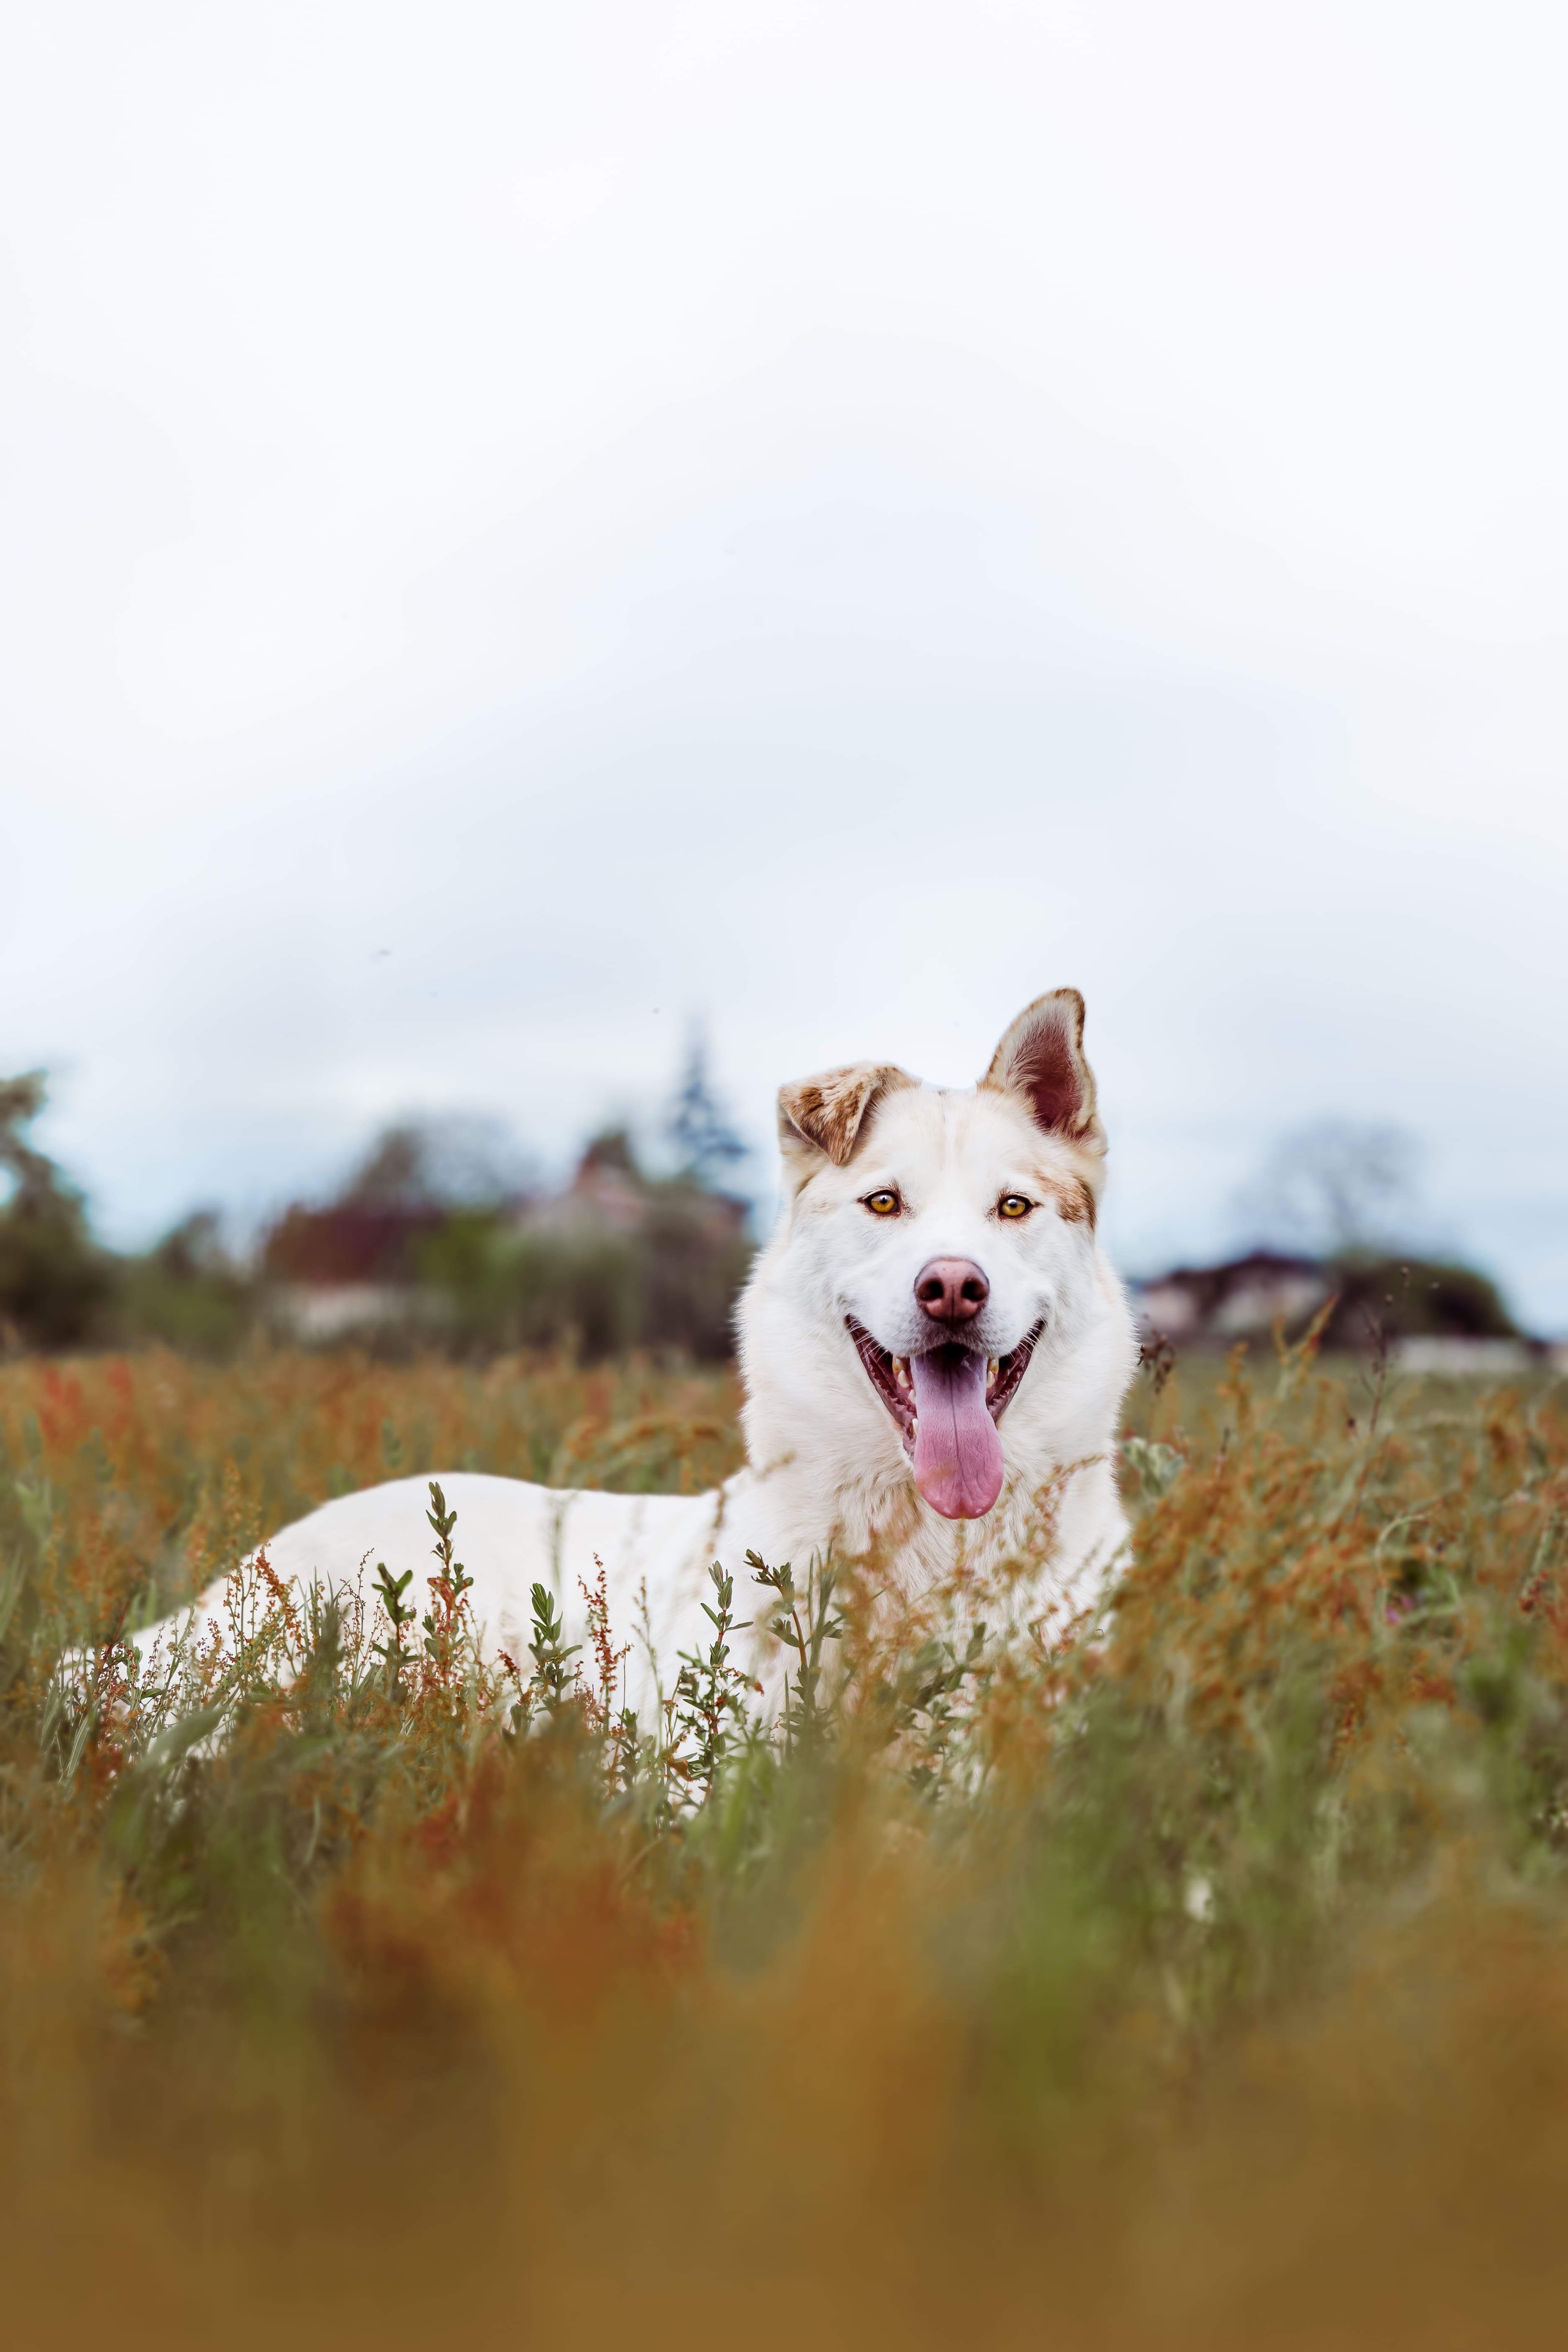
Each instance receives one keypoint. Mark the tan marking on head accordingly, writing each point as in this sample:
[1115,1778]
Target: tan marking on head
[1072,1198]
[823,1116]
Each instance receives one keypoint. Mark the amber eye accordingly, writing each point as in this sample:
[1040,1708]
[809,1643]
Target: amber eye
[882,1204]
[1013,1204]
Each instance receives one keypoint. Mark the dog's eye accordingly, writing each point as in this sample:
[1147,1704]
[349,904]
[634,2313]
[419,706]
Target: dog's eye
[882,1204]
[1013,1204]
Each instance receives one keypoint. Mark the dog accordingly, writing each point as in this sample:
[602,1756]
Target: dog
[933,1348]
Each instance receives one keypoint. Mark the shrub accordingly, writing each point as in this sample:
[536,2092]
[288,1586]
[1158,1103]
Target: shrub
[1405,1297]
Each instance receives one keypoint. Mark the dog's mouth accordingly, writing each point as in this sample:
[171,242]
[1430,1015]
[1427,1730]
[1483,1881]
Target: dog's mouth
[945,1404]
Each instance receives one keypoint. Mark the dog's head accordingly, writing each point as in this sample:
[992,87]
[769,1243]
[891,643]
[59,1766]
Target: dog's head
[947,1232]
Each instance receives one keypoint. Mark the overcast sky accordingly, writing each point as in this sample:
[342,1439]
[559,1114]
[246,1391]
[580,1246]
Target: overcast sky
[527,525]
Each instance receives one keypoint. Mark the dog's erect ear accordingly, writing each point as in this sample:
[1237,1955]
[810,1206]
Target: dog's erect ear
[822,1117]
[1041,1059]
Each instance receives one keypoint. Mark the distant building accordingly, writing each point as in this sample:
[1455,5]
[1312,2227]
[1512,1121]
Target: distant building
[360,1266]
[356,1242]
[1433,1317]
[609,1193]
[1240,1299]
[336,1272]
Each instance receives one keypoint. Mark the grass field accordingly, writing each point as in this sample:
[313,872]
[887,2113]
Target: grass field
[1201,1980]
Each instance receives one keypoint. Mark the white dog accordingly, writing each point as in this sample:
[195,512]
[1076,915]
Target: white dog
[933,1341]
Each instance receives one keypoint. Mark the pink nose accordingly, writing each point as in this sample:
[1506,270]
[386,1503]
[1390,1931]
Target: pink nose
[952,1289]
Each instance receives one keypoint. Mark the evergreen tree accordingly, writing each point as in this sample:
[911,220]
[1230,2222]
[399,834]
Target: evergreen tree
[705,1144]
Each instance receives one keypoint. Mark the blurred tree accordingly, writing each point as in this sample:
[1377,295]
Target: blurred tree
[698,1125]
[1335,1189]
[188,1291]
[1411,1297]
[464,1161]
[1345,1192]
[56,1284]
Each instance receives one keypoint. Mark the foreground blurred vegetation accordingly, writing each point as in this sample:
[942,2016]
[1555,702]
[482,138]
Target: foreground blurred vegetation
[1198,1978]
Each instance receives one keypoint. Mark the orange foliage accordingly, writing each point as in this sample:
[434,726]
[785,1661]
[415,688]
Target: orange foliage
[1196,1980]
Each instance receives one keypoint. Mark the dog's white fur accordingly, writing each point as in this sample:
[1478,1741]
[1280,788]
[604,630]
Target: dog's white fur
[826,1469]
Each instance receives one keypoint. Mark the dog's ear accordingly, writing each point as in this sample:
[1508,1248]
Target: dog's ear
[822,1117]
[1041,1059]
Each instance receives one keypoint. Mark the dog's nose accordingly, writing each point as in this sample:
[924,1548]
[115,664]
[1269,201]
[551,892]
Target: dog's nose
[952,1289]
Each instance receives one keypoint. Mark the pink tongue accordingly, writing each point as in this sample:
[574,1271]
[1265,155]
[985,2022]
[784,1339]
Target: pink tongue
[958,1454]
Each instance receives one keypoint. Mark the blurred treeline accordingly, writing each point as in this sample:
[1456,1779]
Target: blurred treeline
[431,1241]
[439,1238]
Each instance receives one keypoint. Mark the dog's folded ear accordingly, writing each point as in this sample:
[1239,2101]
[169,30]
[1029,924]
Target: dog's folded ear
[1041,1059]
[823,1116]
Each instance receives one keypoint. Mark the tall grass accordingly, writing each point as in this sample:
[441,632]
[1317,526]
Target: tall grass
[1200,1978]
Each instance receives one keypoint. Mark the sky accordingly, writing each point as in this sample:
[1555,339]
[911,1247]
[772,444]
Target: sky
[523,530]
